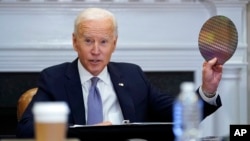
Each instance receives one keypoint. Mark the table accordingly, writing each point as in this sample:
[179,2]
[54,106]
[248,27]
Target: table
[70,139]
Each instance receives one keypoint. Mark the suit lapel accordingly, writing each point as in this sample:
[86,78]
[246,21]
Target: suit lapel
[125,100]
[74,92]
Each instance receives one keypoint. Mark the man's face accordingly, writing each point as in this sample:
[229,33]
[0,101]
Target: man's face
[95,42]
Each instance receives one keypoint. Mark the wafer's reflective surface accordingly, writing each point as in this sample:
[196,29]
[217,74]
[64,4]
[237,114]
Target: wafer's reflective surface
[218,37]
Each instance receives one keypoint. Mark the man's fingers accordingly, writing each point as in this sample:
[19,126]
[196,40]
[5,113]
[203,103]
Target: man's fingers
[217,68]
[104,123]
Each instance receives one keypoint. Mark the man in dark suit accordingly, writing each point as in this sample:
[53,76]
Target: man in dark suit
[126,93]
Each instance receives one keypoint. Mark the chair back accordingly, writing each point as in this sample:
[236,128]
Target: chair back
[24,101]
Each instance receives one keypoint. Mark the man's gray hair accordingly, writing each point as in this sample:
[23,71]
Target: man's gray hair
[95,13]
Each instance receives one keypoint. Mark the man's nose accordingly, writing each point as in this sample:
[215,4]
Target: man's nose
[96,48]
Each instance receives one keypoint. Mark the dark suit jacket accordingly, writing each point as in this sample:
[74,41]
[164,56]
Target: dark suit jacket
[139,100]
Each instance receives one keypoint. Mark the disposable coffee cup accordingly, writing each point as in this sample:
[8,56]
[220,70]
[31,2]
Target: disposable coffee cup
[50,120]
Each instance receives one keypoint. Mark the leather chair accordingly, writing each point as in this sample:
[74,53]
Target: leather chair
[24,101]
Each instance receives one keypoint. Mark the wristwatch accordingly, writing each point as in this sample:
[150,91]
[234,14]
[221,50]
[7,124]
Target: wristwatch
[209,95]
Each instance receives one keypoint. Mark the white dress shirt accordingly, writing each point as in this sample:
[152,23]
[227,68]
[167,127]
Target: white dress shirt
[211,100]
[111,107]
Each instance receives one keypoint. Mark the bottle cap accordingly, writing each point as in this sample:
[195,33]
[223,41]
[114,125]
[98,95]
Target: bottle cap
[187,86]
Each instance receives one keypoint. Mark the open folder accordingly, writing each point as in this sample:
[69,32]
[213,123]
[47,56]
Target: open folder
[124,132]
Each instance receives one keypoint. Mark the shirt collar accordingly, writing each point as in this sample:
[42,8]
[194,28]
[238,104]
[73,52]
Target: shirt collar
[85,75]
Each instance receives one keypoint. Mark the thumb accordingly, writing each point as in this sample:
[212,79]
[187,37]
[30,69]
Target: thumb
[212,62]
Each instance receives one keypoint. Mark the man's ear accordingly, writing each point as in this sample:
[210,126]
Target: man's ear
[115,42]
[74,41]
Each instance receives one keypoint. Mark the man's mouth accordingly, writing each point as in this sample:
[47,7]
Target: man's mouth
[95,61]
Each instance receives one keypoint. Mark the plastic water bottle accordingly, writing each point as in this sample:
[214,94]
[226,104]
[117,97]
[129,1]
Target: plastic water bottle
[187,114]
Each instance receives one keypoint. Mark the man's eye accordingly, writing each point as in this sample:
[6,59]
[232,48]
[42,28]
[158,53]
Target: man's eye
[88,41]
[104,41]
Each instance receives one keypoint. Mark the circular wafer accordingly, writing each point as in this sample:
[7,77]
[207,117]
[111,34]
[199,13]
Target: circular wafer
[218,37]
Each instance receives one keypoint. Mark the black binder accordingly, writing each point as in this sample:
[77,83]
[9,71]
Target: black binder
[124,132]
